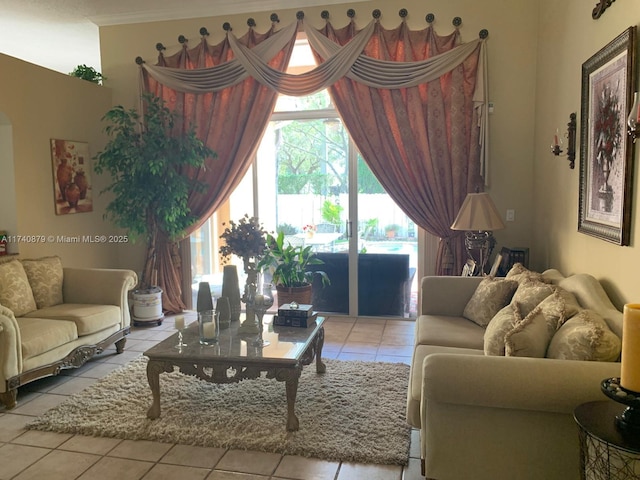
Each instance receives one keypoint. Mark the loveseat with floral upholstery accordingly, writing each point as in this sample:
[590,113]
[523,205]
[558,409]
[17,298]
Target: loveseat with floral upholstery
[53,318]
[500,364]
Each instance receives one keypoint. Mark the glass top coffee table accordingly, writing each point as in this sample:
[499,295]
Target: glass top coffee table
[234,359]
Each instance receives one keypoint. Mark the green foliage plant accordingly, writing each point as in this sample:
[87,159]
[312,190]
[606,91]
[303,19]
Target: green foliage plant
[147,157]
[287,229]
[289,264]
[89,74]
[332,212]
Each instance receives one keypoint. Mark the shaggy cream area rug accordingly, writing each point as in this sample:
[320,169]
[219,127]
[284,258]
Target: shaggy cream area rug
[354,412]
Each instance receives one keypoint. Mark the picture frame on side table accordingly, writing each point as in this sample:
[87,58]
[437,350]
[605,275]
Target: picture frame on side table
[606,151]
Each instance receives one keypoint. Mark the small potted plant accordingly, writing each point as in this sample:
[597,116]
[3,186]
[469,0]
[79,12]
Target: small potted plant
[288,265]
[89,74]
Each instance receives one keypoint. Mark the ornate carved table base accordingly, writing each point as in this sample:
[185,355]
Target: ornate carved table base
[227,370]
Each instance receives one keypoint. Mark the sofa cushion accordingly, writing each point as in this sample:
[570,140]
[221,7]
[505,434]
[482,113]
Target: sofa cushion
[521,274]
[45,278]
[39,335]
[502,323]
[529,294]
[87,318]
[448,331]
[531,336]
[585,336]
[490,296]
[15,291]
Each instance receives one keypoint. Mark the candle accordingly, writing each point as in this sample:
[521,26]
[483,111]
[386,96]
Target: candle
[630,368]
[179,322]
[555,141]
[209,330]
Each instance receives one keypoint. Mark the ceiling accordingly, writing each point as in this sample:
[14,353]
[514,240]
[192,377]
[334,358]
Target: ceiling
[61,34]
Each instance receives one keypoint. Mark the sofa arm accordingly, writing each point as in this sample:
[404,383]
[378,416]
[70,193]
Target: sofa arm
[517,383]
[10,347]
[100,286]
[441,295]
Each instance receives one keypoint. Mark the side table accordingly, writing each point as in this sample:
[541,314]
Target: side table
[605,454]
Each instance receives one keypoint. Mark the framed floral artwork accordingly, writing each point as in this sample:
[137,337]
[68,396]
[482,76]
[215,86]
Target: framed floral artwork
[606,151]
[71,176]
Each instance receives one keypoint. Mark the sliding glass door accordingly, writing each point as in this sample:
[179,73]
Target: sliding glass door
[309,182]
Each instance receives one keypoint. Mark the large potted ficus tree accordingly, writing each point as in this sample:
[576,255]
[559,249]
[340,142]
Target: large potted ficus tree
[147,156]
[289,267]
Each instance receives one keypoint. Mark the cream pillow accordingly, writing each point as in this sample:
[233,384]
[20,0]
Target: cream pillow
[490,296]
[520,274]
[529,294]
[494,336]
[585,336]
[15,292]
[531,336]
[45,278]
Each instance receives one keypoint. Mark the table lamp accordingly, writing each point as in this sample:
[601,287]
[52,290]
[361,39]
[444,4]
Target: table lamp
[478,216]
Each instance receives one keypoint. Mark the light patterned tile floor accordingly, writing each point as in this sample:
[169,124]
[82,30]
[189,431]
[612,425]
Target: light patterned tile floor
[26,454]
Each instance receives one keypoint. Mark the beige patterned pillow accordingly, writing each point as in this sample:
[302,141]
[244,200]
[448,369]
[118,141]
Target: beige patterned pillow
[520,274]
[15,292]
[45,278]
[531,336]
[585,336]
[494,336]
[529,294]
[490,296]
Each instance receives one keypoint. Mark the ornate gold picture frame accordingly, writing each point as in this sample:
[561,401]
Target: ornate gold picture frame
[606,151]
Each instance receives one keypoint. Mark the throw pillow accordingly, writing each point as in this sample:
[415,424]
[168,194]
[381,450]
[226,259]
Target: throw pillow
[494,336]
[571,304]
[520,274]
[490,296]
[585,336]
[45,278]
[15,292]
[531,336]
[529,294]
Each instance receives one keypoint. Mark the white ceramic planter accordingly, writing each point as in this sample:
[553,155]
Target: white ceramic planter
[147,305]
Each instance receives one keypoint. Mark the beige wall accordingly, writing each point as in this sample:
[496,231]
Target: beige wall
[568,36]
[37,104]
[512,51]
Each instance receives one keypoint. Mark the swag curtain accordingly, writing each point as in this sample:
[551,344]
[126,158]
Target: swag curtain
[231,121]
[411,100]
[421,142]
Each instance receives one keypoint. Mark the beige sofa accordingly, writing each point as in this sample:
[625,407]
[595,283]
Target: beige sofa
[53,318]
[491,416]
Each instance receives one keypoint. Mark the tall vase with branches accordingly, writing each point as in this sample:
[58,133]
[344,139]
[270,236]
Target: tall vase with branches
[148,157]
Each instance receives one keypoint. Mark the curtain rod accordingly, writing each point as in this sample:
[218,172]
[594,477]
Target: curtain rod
[351,13]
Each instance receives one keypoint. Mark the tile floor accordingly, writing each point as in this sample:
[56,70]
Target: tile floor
[27,454]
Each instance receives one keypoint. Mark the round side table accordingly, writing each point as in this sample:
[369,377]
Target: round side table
[605,454]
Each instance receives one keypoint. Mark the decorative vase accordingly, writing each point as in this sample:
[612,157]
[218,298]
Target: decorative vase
[231,290]
[224,310]
[72,194]
[204,301]
[81,180]
[300,295]
[64,176]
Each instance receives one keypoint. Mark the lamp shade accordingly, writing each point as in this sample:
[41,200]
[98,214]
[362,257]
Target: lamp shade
[478,213]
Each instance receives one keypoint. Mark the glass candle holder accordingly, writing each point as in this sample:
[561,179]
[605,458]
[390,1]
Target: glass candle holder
[209,327]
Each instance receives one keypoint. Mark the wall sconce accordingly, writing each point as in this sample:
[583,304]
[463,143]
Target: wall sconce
[633,121]
[556,148]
